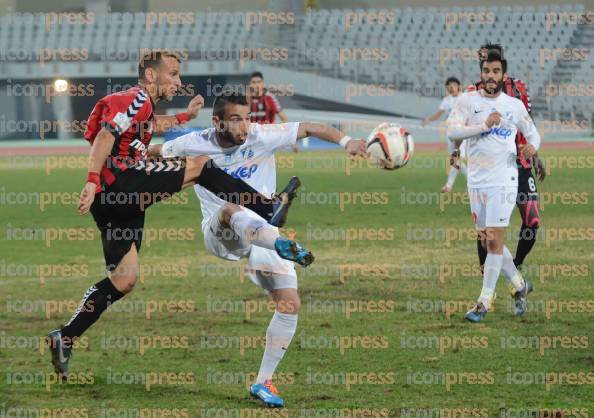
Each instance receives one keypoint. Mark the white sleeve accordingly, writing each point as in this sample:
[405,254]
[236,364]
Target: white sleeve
[276,135]
[443,106]
[527,127]
[177,147]
[456,123]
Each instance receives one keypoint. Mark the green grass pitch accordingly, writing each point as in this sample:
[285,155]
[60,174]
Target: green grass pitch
[380,327]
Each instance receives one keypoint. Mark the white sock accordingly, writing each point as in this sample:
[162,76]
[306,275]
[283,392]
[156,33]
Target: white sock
[509,270]
[452,176]
[278,337]
[490,276]
[253,230]
[464,169]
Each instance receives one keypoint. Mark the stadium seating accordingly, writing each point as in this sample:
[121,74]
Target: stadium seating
[422,47]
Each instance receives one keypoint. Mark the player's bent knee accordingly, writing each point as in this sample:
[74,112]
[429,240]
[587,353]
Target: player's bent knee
[227,212]
[288,305]
[494,246]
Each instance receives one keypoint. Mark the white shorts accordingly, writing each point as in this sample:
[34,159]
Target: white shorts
[264,267]
[492,206]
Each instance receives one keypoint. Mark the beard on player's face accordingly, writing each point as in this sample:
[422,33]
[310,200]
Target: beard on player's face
[488,82]
[230,133]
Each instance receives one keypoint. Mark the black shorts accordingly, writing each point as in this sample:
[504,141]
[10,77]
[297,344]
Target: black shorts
[527,191]
[120,208]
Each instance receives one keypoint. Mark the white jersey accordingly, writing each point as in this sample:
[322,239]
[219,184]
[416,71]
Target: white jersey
[253,162]
[448,103]
[492,154]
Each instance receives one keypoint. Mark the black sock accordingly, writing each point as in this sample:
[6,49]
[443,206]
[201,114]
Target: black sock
[234,190]
[96,300]
[482,252]
[525,243]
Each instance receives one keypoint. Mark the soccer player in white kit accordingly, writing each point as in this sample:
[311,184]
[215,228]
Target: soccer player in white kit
[445,107]
[232,232]
[489,121]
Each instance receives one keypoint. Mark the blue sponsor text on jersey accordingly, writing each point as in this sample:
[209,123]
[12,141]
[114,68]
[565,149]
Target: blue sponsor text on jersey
[498,131]
[243,172]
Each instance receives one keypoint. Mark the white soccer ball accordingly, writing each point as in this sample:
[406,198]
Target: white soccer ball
[390,145]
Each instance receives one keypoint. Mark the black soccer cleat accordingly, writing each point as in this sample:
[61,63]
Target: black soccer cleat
[61,353]
[282,202]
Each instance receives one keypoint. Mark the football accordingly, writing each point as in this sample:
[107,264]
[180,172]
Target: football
[390,145]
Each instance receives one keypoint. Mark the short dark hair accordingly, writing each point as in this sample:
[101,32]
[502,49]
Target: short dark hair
[489,47]
[227,96]
[256,74]
[493,56]
[152,59]
[452,80]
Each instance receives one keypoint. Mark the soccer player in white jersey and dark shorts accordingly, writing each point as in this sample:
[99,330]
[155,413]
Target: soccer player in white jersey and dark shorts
[445,107]
[246,150]
[488,120]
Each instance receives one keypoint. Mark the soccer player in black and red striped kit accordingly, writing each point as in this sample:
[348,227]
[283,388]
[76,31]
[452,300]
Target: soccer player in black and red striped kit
[122,183]
[527,198]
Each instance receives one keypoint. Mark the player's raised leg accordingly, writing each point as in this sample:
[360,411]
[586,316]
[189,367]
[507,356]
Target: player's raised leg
[203,171]
[256,231]
[279,334]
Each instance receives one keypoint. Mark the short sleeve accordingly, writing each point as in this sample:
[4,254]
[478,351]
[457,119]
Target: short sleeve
[443,106]
[121,112]
[177,147]
[275,136]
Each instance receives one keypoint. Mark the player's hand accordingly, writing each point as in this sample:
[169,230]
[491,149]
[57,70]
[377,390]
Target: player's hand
[528,151]
[357,148]
[539,167]
[493,119]
[86,197]
[195,105]
[455,159]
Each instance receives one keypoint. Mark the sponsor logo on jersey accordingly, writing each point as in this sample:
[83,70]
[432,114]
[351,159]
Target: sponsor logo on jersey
[247,153]
[498,131]
[137,144]
[244,172]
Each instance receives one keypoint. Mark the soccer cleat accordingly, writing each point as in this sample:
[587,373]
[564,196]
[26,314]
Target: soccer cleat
[60,353]
[476,314]
[293,251]
[282,202]
[267,393]
[521,297]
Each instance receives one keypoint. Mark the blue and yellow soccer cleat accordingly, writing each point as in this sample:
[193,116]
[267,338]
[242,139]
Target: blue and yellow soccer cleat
[293,251]
[521,297]
[476,314]
[267,393]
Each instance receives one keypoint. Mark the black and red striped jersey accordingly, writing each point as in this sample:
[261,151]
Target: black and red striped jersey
[129,116]
[263,109]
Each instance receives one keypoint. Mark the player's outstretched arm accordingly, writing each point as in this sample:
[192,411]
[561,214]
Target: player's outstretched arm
[166,122]
[355,147]
[100,149]
[432,118]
